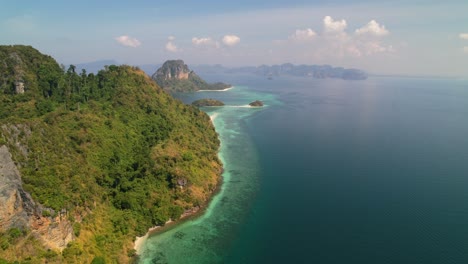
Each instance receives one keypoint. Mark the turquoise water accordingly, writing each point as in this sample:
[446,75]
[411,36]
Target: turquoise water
[334,171]
[207,238]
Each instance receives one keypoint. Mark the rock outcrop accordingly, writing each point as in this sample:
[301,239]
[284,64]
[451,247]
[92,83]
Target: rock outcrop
[256,103]
[16,205]
[173,69]
[18,209]
[175,76]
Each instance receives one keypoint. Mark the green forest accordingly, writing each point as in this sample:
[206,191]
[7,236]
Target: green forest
[112,149]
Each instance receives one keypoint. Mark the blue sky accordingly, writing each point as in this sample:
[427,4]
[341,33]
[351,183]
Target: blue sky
[389,37]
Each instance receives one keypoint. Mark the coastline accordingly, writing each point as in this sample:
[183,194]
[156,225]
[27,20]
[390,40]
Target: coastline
[140,241]
[187,215]
[223,90]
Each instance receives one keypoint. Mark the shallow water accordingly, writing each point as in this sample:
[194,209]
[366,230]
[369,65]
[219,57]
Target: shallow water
[371,171]
[209,237]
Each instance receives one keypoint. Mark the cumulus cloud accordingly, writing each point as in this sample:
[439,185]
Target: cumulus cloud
[203,42]
[373,28]
[463,36]
[128,41]
[303,34]
[374,47]
[335,42]
[231,40]
[170,46]
[334,26]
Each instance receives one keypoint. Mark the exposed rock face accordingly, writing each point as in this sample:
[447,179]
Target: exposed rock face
[173,69]
[54,233]
[16,206]
[174,75]
[18,210]
[256,103]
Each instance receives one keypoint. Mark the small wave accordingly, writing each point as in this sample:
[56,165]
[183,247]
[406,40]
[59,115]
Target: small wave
[223,90]
[213,116]
[243,106]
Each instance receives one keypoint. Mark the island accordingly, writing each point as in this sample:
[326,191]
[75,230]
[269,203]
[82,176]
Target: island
[90,161]
[175,76]
[256,103]
[289,69]
[207,102]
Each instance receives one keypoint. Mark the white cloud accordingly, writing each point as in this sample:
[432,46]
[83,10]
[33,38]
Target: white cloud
[334,26]
[374,47]
[128,41]
[303,34]
[336,43]
[463,36]
[373,28]
[465,49]
[170,46]
[231,40]
[202,41]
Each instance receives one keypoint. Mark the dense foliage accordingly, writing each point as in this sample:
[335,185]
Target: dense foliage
[115,151]
[207,102]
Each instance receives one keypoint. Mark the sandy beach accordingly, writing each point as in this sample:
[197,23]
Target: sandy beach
[223,90]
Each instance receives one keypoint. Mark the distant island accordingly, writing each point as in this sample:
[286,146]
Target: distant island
[269,71]
[175,76]
[288,69]
[207,102]
[256,103]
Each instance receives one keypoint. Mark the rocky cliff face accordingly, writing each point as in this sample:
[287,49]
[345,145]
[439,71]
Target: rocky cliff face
[174,75]
[16,205]
[18,210]
[172,69]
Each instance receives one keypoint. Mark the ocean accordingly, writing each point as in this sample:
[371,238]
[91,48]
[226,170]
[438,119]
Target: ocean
[332,171]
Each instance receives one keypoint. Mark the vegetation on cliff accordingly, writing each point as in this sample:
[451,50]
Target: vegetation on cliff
[207,102]
[175,76]
[111,152]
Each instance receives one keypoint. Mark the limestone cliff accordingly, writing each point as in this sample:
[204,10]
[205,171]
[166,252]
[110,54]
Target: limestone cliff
[16,205]
[173,69]
[18,210]
[174,75]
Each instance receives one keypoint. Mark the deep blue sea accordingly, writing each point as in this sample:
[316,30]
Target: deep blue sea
[333,171]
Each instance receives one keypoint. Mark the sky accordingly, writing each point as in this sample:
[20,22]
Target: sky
[382,37]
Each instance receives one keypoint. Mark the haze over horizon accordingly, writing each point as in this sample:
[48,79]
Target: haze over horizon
[389,37]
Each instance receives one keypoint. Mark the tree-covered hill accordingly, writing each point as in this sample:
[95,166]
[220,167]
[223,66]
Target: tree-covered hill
[110,152]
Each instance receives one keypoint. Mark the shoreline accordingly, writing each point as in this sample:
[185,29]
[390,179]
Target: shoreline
[223,90]
[186,216]
[140,241]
